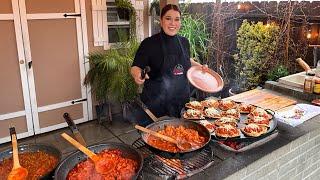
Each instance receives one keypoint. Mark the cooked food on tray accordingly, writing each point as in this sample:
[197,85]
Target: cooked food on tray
[261,113]
[212,113]
[209,103]
[232,112]
[246,108]
[194,105]
[227,104]
[258,120]
[37,163]
[193,114]
[210,126]
[226,120]
[179,133]
[124,168]
[227,131]
[254,130]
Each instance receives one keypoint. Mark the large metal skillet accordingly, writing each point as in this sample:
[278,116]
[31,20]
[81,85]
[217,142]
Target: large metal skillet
[158,125]
[35,148]
[75,158]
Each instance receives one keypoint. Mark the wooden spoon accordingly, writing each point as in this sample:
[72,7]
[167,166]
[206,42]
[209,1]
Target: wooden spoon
[182,145]
[102,165]
[18,172]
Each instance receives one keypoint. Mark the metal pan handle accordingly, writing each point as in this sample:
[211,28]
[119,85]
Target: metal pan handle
[270,111]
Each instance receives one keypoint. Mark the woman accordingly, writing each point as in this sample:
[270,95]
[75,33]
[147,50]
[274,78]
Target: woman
[166,87]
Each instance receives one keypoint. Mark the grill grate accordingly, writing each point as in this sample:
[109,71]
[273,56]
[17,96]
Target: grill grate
[178,168]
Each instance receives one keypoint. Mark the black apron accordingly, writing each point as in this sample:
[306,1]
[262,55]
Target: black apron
[167,94]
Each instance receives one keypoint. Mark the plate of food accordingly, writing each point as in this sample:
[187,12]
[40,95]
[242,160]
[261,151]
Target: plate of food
[227,119]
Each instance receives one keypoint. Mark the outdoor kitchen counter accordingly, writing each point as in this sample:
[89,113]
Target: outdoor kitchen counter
[293,154]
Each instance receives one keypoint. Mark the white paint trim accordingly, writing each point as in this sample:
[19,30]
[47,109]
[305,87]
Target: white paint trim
[23,70]
[27,51]
[12,115]
[121,23]
[81,60]
[59,126]
[86,54]
[99,23]
[50,16]
[58,105]
[6,16]
[149,19]
[19,136]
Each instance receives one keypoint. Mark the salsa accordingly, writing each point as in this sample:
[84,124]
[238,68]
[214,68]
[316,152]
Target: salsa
[124,168]
[179,133]
[37,163]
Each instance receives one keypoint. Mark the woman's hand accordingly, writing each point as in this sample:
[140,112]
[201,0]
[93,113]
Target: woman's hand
[136,74]
[204,67]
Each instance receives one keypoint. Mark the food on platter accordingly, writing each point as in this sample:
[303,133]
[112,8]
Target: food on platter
[227,131]
[227,104]
[124,168]
[231,113]
[210,126]
[38,164]
[212,113]
[246,108]
[180,133]
[258,120]
[193,114]
[260,113]
[226,120]
[210,103]
[194,105]
[254,130]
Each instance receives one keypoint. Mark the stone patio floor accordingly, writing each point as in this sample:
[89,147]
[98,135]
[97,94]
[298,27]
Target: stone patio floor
[92,132]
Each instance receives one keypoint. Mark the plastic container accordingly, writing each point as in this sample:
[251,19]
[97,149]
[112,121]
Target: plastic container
[316,86]
[308,84]
[318,69]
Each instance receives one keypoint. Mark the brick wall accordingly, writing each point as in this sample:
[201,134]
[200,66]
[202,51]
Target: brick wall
[299,159]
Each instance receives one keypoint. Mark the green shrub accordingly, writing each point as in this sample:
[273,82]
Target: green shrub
[256,44]
[277,72]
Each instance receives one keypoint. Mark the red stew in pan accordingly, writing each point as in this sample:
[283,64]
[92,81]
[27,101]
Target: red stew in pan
[124,168]
[37,163]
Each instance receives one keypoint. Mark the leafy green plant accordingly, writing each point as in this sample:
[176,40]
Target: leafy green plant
[109,74]
[155,5]
[278,72]
[127,5]
[193,27]
[256,44]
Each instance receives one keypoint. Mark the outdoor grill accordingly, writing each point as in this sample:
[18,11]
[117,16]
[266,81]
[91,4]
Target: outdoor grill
[160,167]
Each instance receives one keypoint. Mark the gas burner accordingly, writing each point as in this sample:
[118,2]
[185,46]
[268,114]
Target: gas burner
[157,165]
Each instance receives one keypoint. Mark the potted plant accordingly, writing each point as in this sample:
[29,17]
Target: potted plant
[109,75]
[124,9]
[256,44]
[155,7]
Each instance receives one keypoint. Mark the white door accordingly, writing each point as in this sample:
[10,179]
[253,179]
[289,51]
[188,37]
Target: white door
[54,49]
[15,109]
[43,65]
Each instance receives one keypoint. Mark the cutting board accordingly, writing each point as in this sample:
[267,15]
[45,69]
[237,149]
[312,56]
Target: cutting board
[263,99]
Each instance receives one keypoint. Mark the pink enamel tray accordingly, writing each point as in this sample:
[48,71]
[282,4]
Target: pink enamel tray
[207,81]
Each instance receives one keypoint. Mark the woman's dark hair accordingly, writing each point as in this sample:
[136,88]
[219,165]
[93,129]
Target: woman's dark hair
[168,7]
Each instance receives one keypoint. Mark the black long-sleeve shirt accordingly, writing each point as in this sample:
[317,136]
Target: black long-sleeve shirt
[150,52]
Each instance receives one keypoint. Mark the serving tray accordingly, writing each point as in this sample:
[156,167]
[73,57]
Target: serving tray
[240,124]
